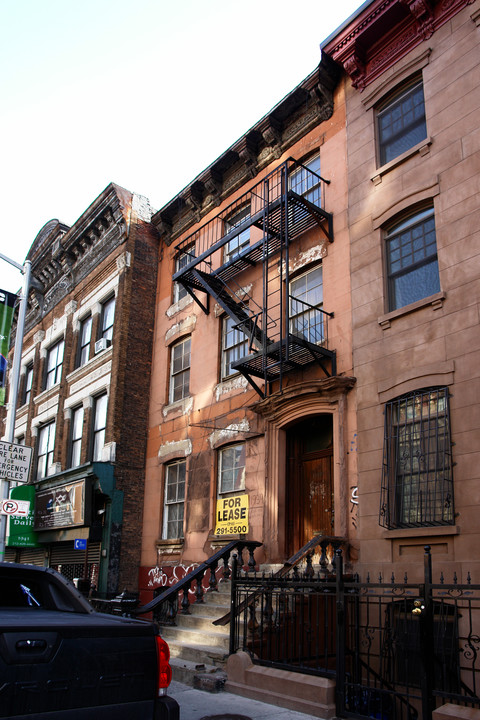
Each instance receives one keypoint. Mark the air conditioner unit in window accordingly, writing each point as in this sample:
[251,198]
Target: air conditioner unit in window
[101,345]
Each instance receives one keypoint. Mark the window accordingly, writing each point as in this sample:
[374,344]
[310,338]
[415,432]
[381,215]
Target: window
[84,341]
[306,181]
[27,391]
[412,266]
[99,426]
[76,431]
[234,346]
[231,469]
[401,122]
[108,316]
[242,239]
[174,500]
[180,371]
[46,444]
[182,261]
[54,364]
[417,483]
[306,299]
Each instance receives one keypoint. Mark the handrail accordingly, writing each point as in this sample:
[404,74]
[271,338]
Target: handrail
[305,552]
[198,573]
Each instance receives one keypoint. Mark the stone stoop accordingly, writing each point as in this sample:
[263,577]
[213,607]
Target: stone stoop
[199,649]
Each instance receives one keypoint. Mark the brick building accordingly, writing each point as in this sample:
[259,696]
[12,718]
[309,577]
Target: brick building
[252,398]
[83,395]
[412,100]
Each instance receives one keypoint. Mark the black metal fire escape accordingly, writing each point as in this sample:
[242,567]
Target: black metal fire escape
[284,205]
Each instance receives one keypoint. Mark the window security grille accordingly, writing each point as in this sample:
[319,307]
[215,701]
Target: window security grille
[417,481]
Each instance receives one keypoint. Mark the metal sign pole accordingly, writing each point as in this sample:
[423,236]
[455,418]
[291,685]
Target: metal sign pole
[12,410]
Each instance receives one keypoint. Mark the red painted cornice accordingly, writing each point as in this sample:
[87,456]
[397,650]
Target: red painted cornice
[383,32]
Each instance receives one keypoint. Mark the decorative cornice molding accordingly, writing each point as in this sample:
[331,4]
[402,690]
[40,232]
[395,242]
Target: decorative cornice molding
[399,24]
[307,105]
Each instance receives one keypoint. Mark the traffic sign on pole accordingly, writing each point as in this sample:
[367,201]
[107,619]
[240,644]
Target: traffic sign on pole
[15,462]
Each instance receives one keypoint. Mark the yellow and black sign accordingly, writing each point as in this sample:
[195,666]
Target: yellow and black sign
[232,516]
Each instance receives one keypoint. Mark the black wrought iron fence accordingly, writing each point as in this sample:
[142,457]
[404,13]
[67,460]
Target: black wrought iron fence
[397,649]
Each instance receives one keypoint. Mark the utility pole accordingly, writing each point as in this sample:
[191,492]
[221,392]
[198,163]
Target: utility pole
[12,409]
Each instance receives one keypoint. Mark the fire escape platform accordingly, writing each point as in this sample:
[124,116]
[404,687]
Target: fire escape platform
[290,353]
[301,216]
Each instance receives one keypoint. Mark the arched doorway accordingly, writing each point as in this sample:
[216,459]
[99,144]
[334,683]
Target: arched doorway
[309,476]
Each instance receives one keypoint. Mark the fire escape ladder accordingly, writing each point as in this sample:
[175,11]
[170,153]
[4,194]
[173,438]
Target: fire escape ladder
[237,309]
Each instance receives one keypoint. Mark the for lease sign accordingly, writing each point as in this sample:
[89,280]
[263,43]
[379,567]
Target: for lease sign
[232,515]
[15,462]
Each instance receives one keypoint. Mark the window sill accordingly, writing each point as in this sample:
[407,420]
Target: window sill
[179,305]
[422,148]
[436,302]
[91,364]
[169,547]
[178,408]
[433,531]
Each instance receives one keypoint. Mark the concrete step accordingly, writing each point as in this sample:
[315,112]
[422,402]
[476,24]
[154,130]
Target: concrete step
[199,621]
[215,656]
[199,649]
[199,675]
[192,636]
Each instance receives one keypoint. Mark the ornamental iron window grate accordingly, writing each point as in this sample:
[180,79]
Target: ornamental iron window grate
[417,480]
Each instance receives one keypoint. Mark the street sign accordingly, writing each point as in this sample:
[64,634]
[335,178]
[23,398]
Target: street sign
[79,544]
[15,508]
[15,462]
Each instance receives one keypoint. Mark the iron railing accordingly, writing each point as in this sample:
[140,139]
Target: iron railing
[167,603]
[397,649]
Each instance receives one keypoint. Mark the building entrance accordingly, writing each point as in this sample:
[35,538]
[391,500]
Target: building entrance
[310,499]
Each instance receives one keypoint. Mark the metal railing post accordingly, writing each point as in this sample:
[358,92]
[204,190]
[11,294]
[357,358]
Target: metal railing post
[233,605]
[427,649]
[340,636]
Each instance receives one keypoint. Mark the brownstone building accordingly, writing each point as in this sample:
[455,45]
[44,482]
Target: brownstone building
[252,400]
[83,395]
[413,157]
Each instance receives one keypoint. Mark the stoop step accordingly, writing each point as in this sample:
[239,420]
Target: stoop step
[199,649]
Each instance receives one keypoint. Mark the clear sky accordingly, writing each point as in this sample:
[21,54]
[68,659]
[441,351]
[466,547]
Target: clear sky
[145,94]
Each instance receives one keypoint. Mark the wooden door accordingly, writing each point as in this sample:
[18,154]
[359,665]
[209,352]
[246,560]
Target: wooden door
[310,504]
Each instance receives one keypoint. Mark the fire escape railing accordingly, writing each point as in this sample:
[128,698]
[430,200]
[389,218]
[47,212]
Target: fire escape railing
[258,229]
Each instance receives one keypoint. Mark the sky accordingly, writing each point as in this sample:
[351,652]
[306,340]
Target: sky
[145,94]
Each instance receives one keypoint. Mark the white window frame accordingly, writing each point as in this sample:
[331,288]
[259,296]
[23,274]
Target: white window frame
[28,383]
[99,426]
[84,338]
[179,292]
[76,436]
[45,449]
[108,319]
[307,322]
[234,346]
[231,468]
[241,240]
[306,181]
[180,355]
[54,364]
[174,500]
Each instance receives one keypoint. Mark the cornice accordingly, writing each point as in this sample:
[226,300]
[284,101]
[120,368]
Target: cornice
[307,105]
[384,32]
[61,256]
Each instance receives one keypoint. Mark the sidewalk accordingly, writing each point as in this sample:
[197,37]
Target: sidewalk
[198,704]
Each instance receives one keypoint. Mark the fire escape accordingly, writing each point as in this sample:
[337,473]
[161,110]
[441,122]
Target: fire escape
[285,333]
